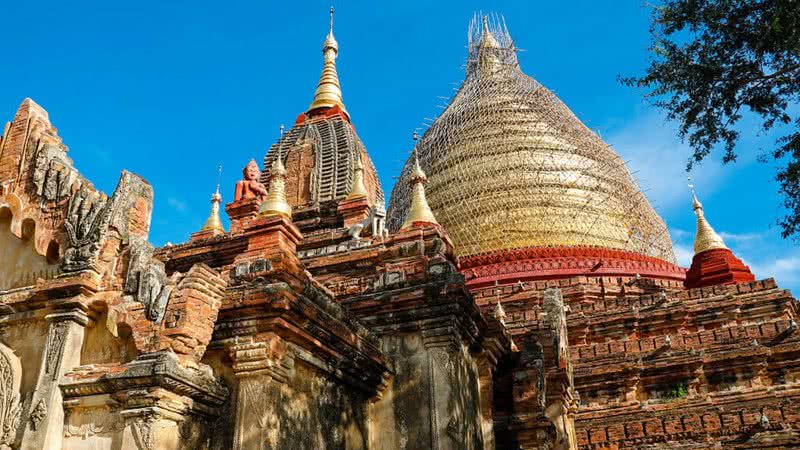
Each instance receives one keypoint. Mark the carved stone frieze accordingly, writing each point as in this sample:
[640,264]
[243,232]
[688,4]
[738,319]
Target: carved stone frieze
[10,405]
[92,423]
[55,348]
[143,428]
[38,414]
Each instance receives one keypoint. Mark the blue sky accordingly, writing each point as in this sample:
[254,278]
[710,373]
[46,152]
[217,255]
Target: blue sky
[170,90]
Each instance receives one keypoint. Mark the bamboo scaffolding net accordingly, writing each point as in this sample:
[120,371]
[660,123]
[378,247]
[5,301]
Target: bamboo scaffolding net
[510,166]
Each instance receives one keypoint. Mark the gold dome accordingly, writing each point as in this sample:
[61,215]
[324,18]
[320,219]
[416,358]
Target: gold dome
[510,166]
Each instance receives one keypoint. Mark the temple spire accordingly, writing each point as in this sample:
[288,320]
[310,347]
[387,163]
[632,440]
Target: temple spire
[276,204]
[213,223]
[487,38]
[419,211]
[329,92]
[706,238]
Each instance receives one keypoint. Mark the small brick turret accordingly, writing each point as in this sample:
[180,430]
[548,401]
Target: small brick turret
[713,262]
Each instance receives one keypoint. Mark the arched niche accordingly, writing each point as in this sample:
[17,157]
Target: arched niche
[20,263]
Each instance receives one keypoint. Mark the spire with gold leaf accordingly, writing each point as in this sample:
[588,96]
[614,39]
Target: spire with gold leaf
[329,92]
[275,203]
[706,238]
[213,225]
[419,211]
[713,262]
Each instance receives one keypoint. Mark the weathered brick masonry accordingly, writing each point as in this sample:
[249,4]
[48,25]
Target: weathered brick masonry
[316,322]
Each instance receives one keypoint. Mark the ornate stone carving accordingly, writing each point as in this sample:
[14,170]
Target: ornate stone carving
[143,428]
[87,216]
[147,280]
[55,348]
[375,222]
[38,414]
[154,292]
[259,402]
[557,320]
[140,256]
[559,410]
[95,421]
[54,176]
[10,406]
[133,193]
[90,214]
[249,186]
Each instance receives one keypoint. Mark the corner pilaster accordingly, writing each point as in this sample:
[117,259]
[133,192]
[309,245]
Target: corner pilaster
[260,369]
[45,418]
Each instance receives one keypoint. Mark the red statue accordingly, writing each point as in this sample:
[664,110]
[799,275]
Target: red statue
[249,186]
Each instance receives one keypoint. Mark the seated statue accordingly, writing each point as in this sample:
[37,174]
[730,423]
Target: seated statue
[249,186]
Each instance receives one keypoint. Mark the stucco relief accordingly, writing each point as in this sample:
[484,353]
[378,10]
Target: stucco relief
[10,405]
[87,423]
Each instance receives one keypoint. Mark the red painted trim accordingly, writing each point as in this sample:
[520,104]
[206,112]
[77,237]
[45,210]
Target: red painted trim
[717,266]
[547,263]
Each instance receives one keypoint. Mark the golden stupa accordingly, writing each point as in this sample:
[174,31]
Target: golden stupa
[510,166]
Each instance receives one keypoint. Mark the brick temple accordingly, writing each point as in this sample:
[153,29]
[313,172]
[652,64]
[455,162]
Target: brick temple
[519,292]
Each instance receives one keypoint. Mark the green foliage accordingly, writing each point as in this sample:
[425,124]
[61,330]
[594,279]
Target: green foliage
[679,391]
[715,59]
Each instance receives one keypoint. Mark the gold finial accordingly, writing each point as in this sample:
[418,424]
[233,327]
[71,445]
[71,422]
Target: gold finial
[706,238]
[419,211]
[488,59]
[329,92]
[213,223]
[359,190]
[276,204]
[487,38]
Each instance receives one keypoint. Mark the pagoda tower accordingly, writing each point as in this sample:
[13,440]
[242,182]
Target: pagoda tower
[330,180]
[523,188]
[713,262]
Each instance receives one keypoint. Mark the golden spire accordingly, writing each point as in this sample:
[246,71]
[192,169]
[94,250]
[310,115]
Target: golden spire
[359,190]
[488,59]
[213,223]
[419,211]
[706,238]
[487,38]
[276,204]
[329,92]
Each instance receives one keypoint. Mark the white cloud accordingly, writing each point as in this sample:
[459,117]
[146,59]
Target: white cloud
[679,234]
[658,159]
[178,204]
[683,255]
[785,270]
[741,237]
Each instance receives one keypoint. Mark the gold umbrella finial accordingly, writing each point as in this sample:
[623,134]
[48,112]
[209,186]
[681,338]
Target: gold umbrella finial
[419,211]
[329,91]
[275,203]
[706,238]
[213,223]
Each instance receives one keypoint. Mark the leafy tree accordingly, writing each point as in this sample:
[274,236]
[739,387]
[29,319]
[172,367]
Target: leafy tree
[715,59]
